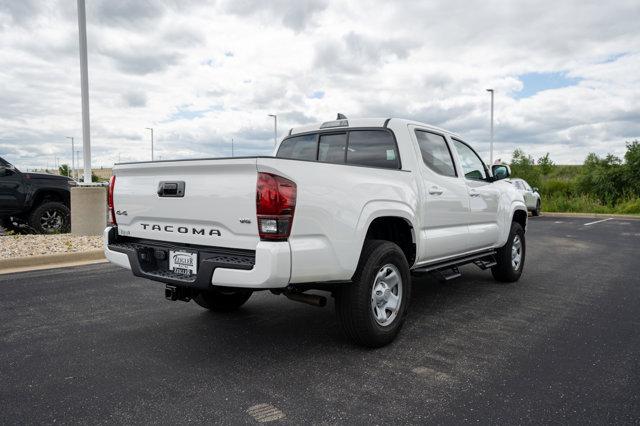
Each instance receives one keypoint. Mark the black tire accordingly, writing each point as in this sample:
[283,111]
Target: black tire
[223,300]
[354,301]
[50,217]
[505,270]
[536,212]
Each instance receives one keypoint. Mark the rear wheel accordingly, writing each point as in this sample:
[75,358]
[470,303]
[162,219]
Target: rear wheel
[222,300]
[510,257]
[536,212]
[373,307]
[50,218]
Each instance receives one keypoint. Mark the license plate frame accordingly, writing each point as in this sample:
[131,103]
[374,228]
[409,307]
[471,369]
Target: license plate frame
[183,262]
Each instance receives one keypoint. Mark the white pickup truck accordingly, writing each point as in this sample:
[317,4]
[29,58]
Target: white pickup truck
[351,207]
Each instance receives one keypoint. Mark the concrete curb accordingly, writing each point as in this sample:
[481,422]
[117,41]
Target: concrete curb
[51,261]
[591,215]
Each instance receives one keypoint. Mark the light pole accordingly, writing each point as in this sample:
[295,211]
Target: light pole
[73,158]
[151,128]
[232,148]
[491,147]
[275,128]
[84,88]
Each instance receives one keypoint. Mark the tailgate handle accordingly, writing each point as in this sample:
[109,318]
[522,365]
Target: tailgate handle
[171,189]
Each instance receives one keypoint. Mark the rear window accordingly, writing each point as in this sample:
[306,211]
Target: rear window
[331,149]
[298,148]
[372,148]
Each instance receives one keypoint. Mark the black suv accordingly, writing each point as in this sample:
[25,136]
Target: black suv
[40,201]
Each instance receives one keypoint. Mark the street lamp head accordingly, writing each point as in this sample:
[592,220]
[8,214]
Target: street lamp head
[490,90]
[272,115]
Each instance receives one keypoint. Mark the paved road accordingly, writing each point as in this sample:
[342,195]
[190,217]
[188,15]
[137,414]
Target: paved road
[95,345]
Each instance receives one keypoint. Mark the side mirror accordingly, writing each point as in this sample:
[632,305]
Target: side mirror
[500,171]
[535,189]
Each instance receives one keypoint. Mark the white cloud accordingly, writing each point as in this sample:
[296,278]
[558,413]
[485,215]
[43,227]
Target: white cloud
[201,74]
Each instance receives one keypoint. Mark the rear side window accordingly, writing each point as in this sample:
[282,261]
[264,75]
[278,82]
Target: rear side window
[331,148]
[435,153]
[372,148]
[298,148]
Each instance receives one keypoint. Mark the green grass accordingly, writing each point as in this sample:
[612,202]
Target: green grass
[587,204]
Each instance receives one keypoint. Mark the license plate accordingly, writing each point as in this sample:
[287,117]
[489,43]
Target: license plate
[184,263]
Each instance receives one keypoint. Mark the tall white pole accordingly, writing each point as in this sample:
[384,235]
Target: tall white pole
[151,129]
[84,87]
[491,148]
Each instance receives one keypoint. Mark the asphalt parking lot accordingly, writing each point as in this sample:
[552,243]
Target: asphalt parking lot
[95,345]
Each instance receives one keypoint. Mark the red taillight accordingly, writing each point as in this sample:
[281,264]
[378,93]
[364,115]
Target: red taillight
[112,213]
[275,205]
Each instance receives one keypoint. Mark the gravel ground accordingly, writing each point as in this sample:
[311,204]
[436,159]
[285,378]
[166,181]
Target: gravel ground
[15,246]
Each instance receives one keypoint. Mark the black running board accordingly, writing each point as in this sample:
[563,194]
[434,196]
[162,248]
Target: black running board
[448,269]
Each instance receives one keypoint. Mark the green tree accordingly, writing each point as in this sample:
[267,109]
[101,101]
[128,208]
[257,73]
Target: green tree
[523,166]
[64,170]
[603,178]
[545,164]
[632,168]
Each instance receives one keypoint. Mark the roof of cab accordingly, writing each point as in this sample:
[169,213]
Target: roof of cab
[368,122]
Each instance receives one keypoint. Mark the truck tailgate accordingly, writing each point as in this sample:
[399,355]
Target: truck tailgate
[217,207]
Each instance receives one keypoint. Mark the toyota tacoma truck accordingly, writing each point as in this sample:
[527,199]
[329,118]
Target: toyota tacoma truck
[37,200]
[347,208]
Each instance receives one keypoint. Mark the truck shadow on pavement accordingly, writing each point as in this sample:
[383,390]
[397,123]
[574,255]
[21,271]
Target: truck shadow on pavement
[273,323]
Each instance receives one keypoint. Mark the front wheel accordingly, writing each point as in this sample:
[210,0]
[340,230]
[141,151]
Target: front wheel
[510,257]
[536,212]
[222,300]
[372,308]
[50,218]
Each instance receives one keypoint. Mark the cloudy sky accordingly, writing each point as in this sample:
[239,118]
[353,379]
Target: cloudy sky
[566,73]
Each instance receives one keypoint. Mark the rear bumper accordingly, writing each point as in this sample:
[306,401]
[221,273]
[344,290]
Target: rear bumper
[268,267]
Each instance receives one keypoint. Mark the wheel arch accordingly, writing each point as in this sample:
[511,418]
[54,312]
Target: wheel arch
[49,194]
[389,221]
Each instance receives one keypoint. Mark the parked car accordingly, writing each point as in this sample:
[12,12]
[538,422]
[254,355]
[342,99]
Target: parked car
[40,201]
[531,195]
[352,207]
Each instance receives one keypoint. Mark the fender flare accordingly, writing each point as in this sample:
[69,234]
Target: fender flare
[375,209]
[505,227]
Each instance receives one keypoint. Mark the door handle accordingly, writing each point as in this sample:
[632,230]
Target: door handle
[436,190]
[473,193]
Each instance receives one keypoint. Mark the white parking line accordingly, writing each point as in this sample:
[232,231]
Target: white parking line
[597,221]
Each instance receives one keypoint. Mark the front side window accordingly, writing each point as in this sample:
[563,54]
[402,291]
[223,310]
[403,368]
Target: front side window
[435,153]
[373,148]
[298,148]
[472,165]
[331,148]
